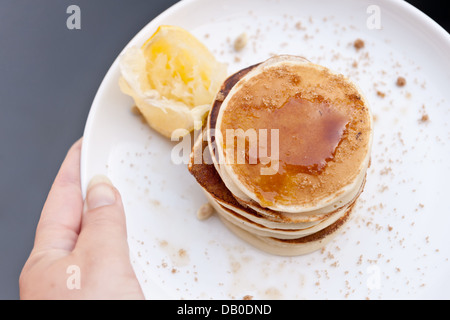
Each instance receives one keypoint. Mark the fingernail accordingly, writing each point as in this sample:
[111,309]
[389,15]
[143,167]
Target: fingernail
[100,193]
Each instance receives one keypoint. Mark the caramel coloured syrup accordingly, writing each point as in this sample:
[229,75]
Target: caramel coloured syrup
[309,131]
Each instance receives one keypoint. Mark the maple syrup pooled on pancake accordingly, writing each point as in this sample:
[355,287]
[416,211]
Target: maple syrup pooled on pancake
[309,133]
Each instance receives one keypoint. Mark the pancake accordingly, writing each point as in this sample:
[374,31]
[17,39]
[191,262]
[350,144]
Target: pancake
[292,247]
[292,190]
[280,94]
[276,237]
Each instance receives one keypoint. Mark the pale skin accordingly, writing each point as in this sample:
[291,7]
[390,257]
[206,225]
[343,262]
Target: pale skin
[83,241]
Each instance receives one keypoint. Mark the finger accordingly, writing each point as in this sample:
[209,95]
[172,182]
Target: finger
[103,227]
[60,220]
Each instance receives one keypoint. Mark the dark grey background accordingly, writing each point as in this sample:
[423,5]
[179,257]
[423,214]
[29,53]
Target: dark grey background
[48,78]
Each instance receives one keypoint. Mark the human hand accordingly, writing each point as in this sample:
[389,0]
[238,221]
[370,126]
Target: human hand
[80,249]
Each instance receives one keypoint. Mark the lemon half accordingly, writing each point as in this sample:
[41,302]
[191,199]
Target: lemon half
[173,79]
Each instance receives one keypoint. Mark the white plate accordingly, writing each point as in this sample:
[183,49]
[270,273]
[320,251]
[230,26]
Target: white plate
[396,244]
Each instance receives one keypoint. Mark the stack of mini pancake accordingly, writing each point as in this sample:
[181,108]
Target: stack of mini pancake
[284,154]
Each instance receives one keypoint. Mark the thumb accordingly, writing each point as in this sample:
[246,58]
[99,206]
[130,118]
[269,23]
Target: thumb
[103,225]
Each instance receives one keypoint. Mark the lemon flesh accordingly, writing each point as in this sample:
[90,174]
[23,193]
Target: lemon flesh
[173,79]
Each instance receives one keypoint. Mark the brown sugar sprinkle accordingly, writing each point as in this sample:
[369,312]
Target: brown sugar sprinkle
[360,260]
[182,253]
[358,44]
[401,81]
[381,94]
[247,297]
[240,42]
[424,118]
